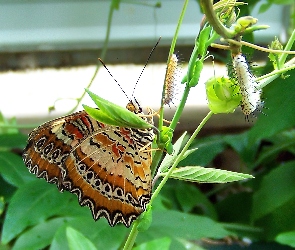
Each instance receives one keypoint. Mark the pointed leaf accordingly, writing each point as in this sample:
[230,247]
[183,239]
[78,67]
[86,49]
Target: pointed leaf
[100,116]
[99,232]
[207,175]
[124,117]
[166,136]
[191,198]
[157,244]
[39,236]
[279,114]
[8,130]
[13,170]
[32,202]
[287,238]
[188,152]
[208,148]
[78,241]
[169,159]
[276,190]
[145,219]
[13,140]
[177,225]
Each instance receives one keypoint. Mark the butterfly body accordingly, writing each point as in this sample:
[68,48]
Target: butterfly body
[102,164]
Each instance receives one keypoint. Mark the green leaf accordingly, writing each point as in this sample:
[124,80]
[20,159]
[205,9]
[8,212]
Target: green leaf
[279,220]
[279,114]
[145,219]
[207,175]
[2,205]
[169,159]
[196,73]
[13,140]
[13,169]
[99,232]
[157,244]
[8,129]
[78,241]
[188,152]
[271,152]
[203,39]
[208,148]
[191,199]
[178,225]
[100,116]
[276,189]
[115,114]
[264,7]
[39,236]
[235,208]
[285,136]
[32,202]
[166,136]
[6,190]
[286,238]
[240,143]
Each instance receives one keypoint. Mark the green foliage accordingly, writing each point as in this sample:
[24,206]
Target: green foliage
[113,114]
[280,109]
[145,219]
[207,175]
[287,238]
[35,215]
[158,244]
[78,241]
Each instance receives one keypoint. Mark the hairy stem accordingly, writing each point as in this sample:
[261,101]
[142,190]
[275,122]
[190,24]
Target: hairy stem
[171,51]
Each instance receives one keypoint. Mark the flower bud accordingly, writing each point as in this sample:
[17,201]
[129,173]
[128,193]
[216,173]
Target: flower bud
[223,95]
[244,22]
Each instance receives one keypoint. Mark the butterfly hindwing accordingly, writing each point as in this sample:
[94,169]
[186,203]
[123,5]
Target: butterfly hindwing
[102,164]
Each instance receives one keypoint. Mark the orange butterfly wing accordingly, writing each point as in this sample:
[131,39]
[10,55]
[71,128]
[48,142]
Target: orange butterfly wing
[103,165]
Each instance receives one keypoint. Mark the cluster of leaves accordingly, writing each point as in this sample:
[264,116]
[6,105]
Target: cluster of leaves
[35,215]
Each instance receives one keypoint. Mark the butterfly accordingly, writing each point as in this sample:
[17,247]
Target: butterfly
[104,165]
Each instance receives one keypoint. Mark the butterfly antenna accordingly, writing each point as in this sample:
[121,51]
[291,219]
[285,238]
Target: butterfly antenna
[145,65]
[113,77]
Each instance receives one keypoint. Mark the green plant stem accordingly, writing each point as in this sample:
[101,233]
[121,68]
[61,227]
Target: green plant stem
[256,47]
[176,117]
[158,155]
[180,156]
[131,237]
[180,107]
[287,47]
[133,233]
[272,76]
[171,51]
[156,160]
[211,17]
[102,56]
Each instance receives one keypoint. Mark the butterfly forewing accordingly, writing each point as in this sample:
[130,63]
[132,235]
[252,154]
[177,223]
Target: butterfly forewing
[104,165]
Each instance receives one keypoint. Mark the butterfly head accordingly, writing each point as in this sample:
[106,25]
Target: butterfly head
[134,106]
